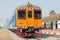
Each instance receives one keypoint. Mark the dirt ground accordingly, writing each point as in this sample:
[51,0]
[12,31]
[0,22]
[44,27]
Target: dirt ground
[6,35]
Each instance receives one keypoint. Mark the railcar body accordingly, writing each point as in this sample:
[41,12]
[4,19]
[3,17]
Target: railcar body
[28,19]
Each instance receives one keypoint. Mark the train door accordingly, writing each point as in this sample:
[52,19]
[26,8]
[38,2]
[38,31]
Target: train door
[30,18]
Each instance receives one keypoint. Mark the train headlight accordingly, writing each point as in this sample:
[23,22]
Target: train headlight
[20,30]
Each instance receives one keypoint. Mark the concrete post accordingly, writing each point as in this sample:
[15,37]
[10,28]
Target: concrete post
[56,25]
[51,25]
[44,25]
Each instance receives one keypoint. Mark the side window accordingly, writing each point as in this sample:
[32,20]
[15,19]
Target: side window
[37,14]
[21,14]
[29,14]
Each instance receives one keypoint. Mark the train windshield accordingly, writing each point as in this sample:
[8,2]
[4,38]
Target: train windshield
[37,14]
[21,14]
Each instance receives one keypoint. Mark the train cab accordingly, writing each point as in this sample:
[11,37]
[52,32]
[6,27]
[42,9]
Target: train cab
[28,18]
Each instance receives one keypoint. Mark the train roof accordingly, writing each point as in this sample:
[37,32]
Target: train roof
[28,5]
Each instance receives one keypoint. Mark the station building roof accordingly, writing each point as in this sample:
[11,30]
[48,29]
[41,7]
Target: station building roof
[52,18]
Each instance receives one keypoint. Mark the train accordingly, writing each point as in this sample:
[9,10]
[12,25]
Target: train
[28,19]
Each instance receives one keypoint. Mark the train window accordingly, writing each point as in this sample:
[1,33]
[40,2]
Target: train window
[21,14]
[29,14]
[37,14]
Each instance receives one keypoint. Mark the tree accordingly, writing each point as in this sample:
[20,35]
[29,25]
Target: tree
[52,12]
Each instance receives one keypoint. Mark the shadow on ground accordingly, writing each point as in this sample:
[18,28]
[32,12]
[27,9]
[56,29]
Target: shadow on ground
[41,36]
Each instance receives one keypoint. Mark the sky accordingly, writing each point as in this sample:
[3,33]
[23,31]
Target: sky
[7,7]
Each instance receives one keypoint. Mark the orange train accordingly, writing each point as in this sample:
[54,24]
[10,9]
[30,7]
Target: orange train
[28,19]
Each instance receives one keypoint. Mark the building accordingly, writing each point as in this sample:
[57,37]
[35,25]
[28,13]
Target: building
[52,22]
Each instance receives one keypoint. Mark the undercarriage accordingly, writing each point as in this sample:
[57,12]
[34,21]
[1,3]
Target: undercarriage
[28,33]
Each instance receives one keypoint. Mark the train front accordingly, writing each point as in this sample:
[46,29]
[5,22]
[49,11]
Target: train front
[28,19]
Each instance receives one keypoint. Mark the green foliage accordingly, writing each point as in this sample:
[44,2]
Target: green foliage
[48,25]
[52,12]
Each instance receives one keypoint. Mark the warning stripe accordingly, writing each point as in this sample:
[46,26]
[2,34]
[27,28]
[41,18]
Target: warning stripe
[51,33]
